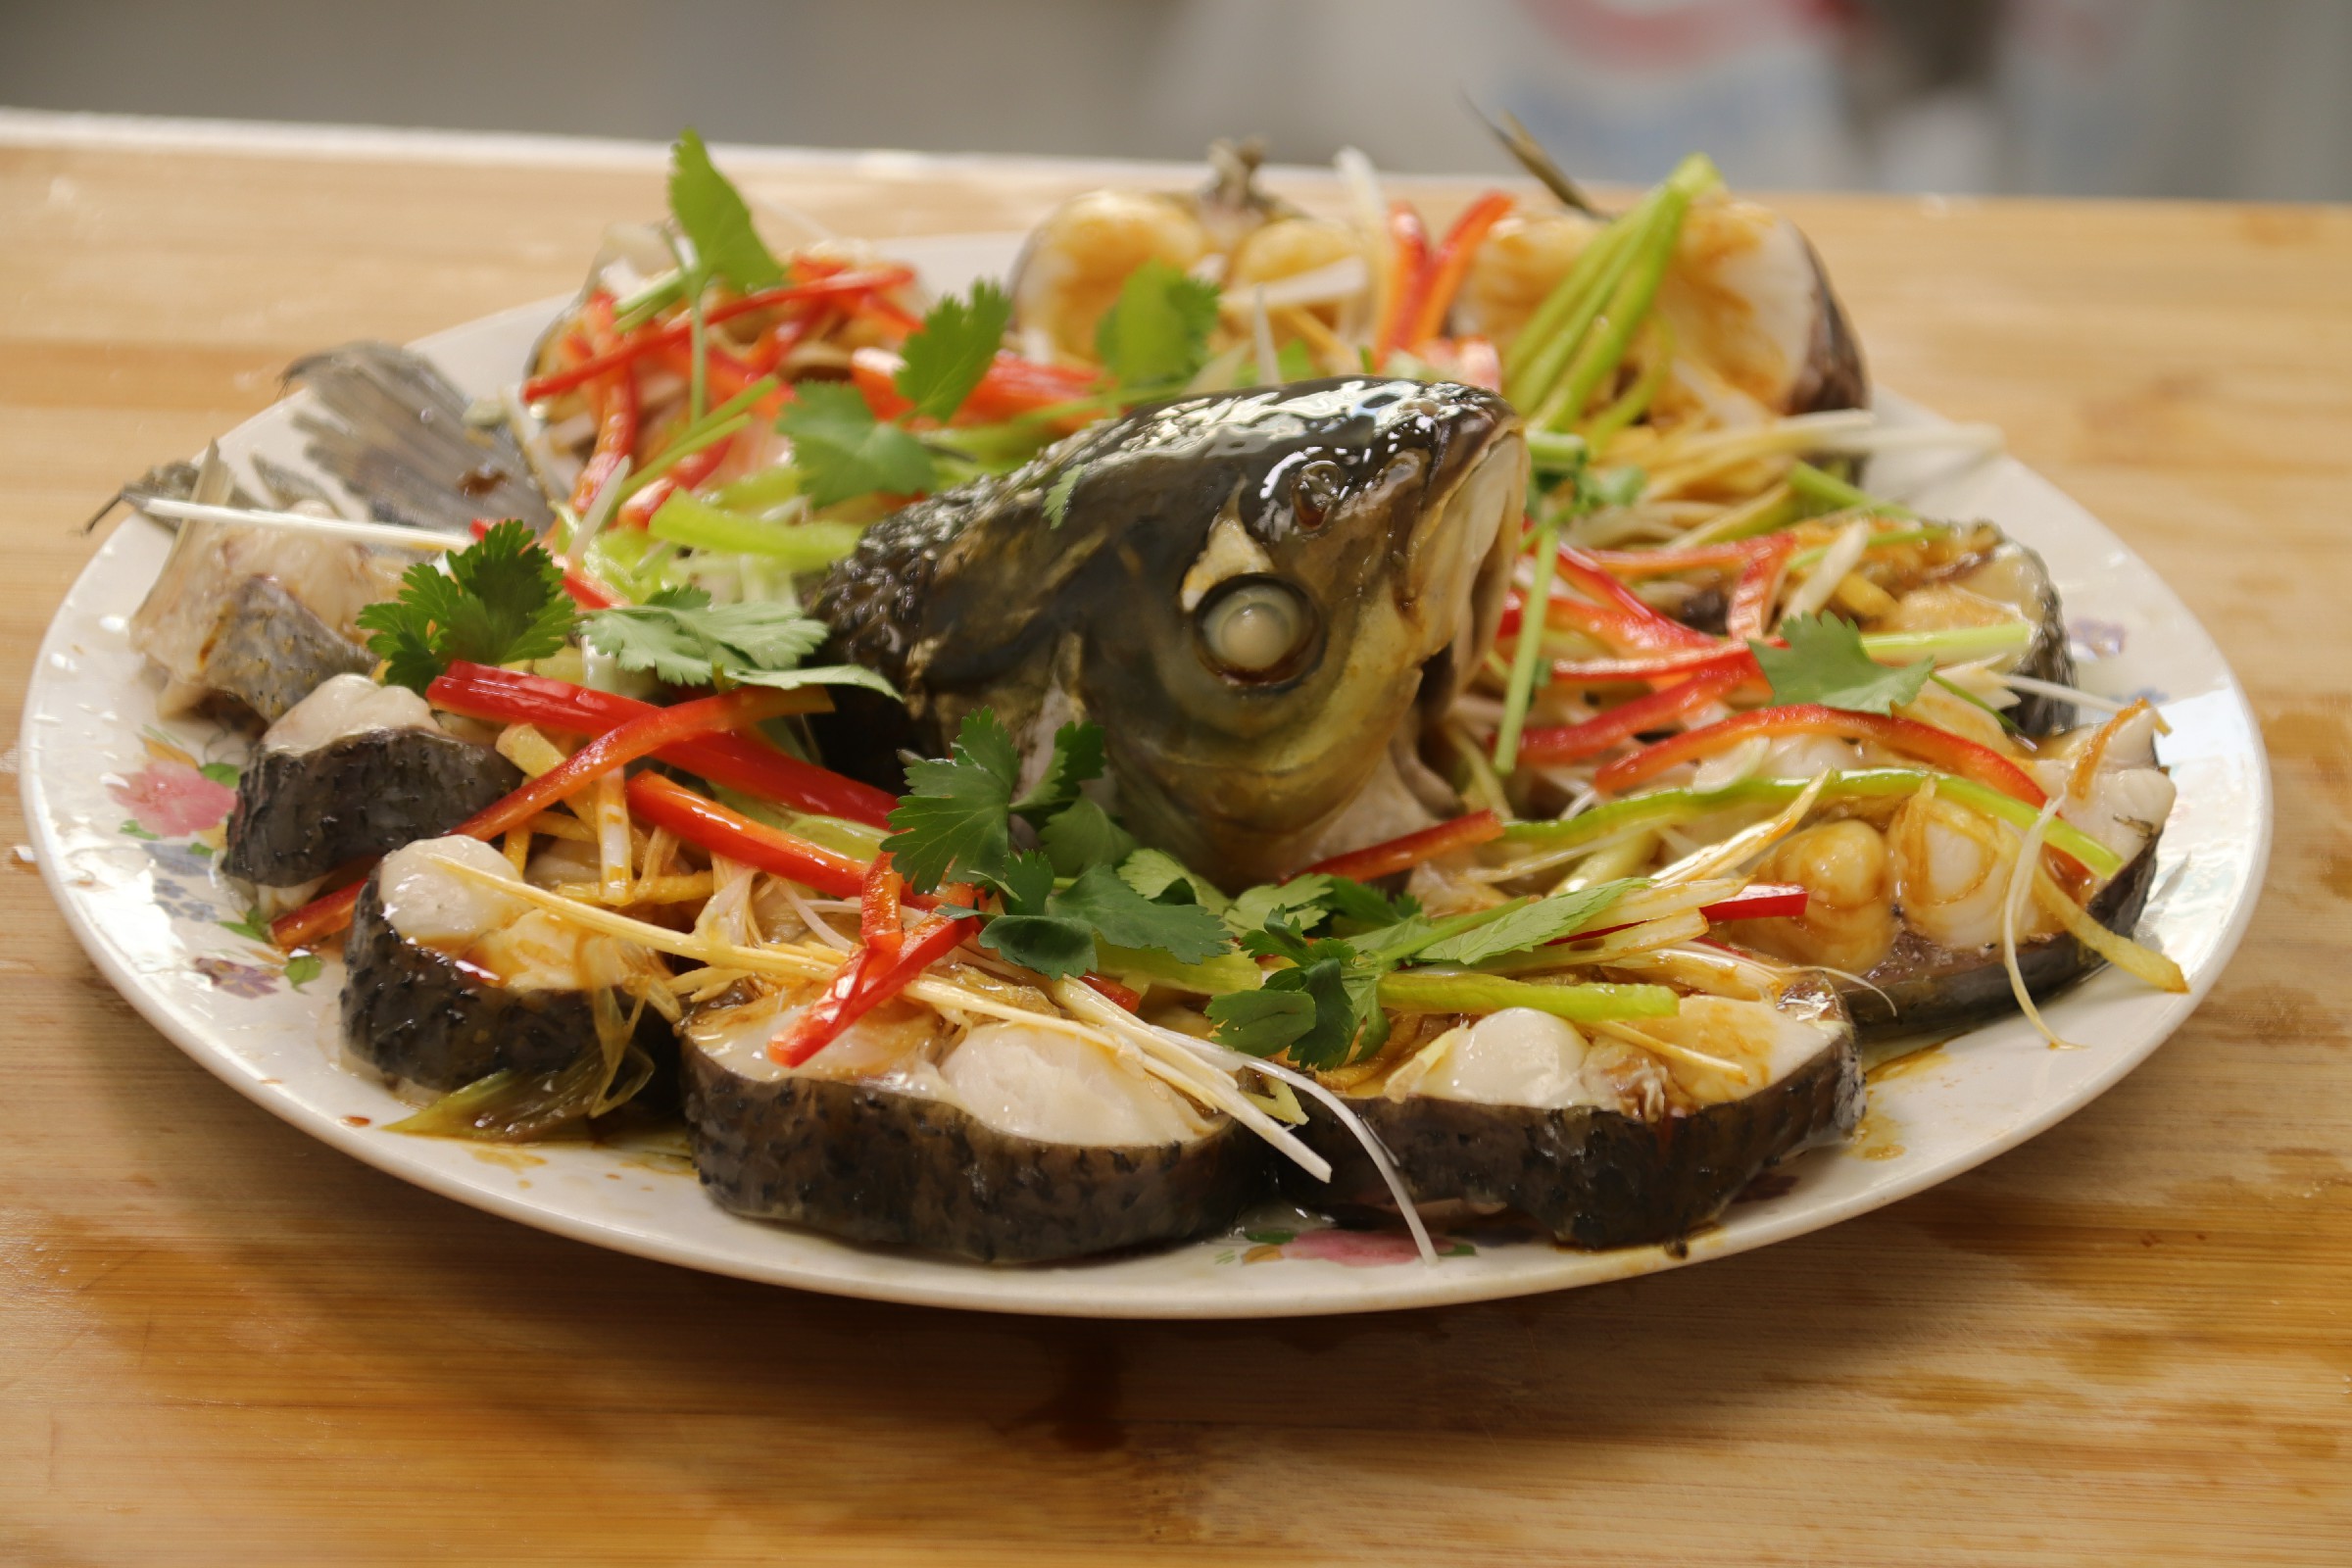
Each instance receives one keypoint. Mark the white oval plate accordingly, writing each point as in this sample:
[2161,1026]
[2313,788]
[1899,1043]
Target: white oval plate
[123,819]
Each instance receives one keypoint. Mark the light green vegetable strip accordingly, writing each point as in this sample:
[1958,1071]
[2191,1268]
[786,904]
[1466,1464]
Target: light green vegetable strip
[1585,283]
[697,385]
[1955,642]
[1530,649]
[1651,253]
[1550,361]
[800,547]
[681,450]
[756,492]
[1431,991]
[650,301]
[1634,401]
[1828,490]
[1227,971]
[856,839]
[1556,452]
[1665,806]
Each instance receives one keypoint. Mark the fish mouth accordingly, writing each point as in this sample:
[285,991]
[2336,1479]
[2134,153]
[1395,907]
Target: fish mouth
[1461,565]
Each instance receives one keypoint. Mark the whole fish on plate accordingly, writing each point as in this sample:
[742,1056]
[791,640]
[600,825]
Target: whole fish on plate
[1261,596]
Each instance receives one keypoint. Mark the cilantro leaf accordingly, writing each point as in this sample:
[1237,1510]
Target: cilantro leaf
[800,675]
[1083,835]
[501,600]
[1076,759]
[843,451]
[1350,900]
[1530,927]
[1152,872]
[1186,932]
[945,358]
[1055,946]
[1158,332]
[1824,663]
[1346,1019]
[685,641]
[1263,1022]
[1269,901]
[955,813]
[712,215]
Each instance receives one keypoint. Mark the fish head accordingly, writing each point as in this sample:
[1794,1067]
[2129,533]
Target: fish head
[1278,585]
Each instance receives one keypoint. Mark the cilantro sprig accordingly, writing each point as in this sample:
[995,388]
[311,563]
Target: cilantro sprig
[843,451]
[714,217]
[955,822]
[681,637]
[1155,335]
[499,600]
[1825,663]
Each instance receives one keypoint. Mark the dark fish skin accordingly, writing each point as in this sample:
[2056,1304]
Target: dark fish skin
[1593,1178]
[1929,988]
[874,1165]
[300,814]
[1835,375]
[270,650]
[1056,592]
[412,1011]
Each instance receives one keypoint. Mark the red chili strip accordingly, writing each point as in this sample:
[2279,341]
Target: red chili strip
[738,761]
[681,331]
[616,748]
[1759,584]
[1398,854]
[613,395]
[1115,991]
[1938,747]
[879,925]
[1569,742]
[1408,269]
[1451,264]
[699,819]
[864,982]
[1760,900]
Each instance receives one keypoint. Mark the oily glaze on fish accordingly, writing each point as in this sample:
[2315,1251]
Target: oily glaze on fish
[1260,596]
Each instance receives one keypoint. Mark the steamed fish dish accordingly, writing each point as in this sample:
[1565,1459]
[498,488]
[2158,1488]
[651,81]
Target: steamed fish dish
[1270,705]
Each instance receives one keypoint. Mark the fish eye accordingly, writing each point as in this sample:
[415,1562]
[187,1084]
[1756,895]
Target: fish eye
[1255,627]
[1315,492]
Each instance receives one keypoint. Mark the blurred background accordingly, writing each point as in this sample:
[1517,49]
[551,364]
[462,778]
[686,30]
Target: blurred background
[2211,98]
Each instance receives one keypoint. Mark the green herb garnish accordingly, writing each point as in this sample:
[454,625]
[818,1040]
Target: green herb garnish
[500,600]
[1158,332]
[1825,663]
[680,636]
[712,215]
[843,451]
[947,356]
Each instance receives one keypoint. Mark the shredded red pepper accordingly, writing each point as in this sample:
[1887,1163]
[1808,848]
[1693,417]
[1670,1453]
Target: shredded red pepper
[1759,901]
[738,761]
[1940,748]
[681,331]
[618,747]
[699,819]
[613,396]
[1408,269]
[879,925]
[1444,274]
[865,981]
[1115,991]
[1399,853]
[1760,583]
[1569,742]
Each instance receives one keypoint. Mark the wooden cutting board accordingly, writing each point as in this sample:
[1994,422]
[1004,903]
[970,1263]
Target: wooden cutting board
[2129,1341]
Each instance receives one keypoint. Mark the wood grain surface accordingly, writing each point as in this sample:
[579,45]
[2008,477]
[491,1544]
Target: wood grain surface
[2130,1341]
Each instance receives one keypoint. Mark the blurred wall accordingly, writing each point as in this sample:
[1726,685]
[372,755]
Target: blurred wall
[2125,97]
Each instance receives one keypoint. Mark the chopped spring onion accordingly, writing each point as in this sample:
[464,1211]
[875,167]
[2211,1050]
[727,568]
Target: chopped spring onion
[1529,650]
[1440,991]
[1828,490]
[687,520]
[1953,642]
[1664,807]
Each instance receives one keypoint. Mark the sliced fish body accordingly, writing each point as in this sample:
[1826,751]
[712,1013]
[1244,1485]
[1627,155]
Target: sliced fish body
[1593,1175]
[300,814]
